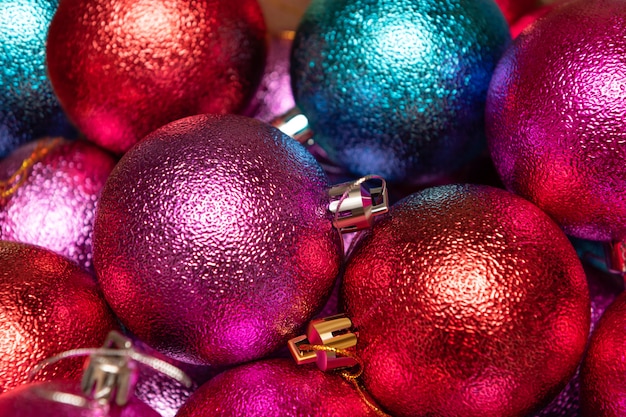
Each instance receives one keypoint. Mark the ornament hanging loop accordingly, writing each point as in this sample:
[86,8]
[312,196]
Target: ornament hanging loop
[356,204]
[616,257]
[295,124]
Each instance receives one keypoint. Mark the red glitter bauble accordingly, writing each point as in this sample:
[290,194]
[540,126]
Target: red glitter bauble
[48,305]
[603,374]
[513,9]
[54,195]
[276,388]
[123,68]
[468,301]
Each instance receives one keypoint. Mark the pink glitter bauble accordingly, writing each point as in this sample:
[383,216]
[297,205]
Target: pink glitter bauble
[213,241]
[603,374]
[54,204]
[276,388]
[468,301]
[34,400]
[274,97]
[555,117]
[47,305]
[123,68]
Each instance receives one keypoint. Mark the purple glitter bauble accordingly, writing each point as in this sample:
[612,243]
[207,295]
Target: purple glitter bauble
[213,242]
[35,400]
[54,200]
[276,388]
[555,117]
[274,97]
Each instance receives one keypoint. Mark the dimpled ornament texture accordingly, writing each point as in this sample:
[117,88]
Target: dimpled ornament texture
[555,120]
[469,301]
[213,242]
[55,205]
[397,87]
[47,305]
[123,68]
[276,388]
[28,107]
[603,384]
[33,401]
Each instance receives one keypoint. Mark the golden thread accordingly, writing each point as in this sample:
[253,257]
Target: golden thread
[9,186]
[352,377]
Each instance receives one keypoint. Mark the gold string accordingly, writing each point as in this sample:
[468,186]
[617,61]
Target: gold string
[9,186]
[350,376]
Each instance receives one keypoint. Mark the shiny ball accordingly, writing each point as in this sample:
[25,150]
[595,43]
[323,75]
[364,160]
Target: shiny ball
[555,120]
[276,388]
[273,98]
[514,9]
[123,68]
[49,305]
[603,289]
[468,301]
[603,375]
[28,106]
[397,87]
[53,201]
[34,400]
[212,240]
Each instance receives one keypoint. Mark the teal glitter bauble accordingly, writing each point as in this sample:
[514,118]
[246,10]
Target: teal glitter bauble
[398,87]
[28,107]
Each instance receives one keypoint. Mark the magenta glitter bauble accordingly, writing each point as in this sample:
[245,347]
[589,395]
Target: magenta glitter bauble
[34,400]
[468,301]
[122,68]
[276,388]
[603,374]
[47,305]
[555,117]
[213,242]
[54,203]
[603,288]
[274,97]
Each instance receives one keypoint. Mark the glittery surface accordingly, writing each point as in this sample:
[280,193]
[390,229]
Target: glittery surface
[55,206]
[122,68]
[555,120]
[28,107]
[30,401]
[276,388]
[603,379]
[397,87]
[273,97]
[212,239]
[469,301]
[47,305]
[603,289]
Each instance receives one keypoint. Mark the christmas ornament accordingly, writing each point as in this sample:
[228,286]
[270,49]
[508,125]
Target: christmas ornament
[514,9]
[106,389]
[123,68]
[554,118]
[397,87]
[282,15]
[274,97]
[468,300]
[603,374]
[49,305]
[214,238]
[529,18]
[28,107]
[275,387]
[48,193]
[603,288]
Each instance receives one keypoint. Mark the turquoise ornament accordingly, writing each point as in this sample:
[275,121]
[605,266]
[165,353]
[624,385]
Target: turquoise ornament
[28,107]
[397,87]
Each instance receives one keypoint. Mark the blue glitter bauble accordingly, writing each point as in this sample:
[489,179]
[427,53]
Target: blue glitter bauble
[398,87]
[28,106]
